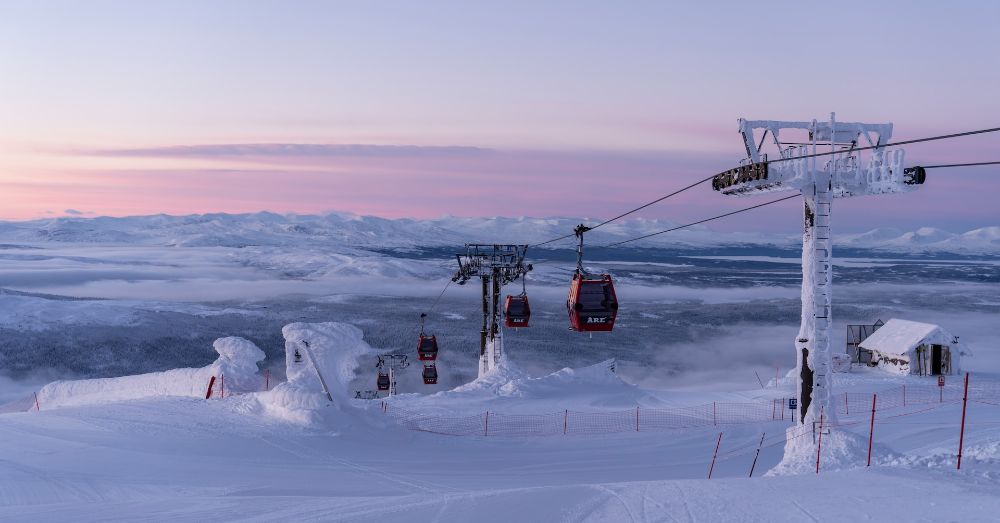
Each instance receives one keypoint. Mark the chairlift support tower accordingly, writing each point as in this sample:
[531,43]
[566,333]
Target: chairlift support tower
[495,265]
[839,173]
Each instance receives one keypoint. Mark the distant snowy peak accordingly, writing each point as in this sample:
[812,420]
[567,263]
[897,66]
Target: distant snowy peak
[345,232]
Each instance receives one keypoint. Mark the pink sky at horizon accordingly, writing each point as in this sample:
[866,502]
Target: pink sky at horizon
[110,108]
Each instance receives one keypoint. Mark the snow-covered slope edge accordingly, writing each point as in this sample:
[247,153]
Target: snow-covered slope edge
[237,361]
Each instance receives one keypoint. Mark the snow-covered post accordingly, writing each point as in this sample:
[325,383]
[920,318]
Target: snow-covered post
[840,174]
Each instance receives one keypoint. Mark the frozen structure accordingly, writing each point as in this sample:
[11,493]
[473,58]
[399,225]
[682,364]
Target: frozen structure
[910,347]
[822,161]
[237,361]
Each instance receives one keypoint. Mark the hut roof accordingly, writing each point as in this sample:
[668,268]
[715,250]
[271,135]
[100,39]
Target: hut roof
[901,336]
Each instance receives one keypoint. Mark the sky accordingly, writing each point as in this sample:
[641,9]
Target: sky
[407,109]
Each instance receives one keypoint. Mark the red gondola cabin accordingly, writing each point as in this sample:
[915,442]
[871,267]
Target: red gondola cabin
[427,348]
[516,311]
[430,374]
[383,381]
[592,304]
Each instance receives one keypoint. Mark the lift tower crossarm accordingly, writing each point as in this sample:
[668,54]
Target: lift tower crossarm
[841,173]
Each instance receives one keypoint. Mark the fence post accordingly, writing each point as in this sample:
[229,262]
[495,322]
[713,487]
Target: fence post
[961,434]
[37,408]
[759,445]
[715,420]
[565,421]
[819,445]
[847,406]
[267,379]
[211,383]
[637,418]
[487,433]
[222,386]
[714,454]
[871,431]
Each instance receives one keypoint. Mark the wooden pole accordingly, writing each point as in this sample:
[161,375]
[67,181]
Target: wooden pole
[565,421]
[637,418]
[37,408]
[714,455]
[487,432]
[761,444]
[961,434]
[211,383]
[714,419]
[819,444]
[871,431]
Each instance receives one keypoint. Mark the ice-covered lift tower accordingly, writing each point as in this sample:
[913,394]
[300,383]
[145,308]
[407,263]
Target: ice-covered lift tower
[822,161]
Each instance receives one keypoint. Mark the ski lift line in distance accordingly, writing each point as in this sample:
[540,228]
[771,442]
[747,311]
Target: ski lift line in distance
[635,210]
[383,381]
[745,209]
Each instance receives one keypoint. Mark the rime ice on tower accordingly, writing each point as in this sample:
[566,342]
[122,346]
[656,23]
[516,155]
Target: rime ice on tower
[827,163]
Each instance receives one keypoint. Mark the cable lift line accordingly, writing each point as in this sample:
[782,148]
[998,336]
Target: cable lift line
[686,225]
[976,164]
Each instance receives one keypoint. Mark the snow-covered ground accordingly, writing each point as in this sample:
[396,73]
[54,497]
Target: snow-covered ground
[85,302]
[245,458]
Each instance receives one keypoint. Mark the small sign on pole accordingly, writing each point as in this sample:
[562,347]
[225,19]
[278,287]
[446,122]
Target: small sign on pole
[941,381]
[793,403]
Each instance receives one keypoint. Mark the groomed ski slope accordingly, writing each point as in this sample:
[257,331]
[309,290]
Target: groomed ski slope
[288,456]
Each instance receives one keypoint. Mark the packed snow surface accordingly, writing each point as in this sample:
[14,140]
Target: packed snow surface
[292,455]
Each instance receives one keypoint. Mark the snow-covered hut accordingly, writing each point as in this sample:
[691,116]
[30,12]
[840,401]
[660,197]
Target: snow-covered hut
[910,347]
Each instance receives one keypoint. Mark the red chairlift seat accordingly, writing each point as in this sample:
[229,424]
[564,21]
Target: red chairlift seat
[430,374]
[383,381]
[517,312]
[427,348]
[592,304]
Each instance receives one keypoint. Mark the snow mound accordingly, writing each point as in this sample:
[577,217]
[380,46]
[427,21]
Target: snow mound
[839,450]
[509,381]
[237,361]
[335,350]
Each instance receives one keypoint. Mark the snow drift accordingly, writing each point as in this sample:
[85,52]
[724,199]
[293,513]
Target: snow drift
[237,361]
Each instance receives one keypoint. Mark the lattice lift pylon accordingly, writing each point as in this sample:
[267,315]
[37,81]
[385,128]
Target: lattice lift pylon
[840,173]
[496,265]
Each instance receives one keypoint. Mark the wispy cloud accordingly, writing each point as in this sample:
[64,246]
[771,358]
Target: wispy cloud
[292,150]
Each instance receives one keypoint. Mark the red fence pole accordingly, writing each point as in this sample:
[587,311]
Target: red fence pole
[961,434]
[714,454]
[871,431]
[637,418]
[761,444]
[222,386]
[37,408]
[487,432]
[819,444]
[211,383]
